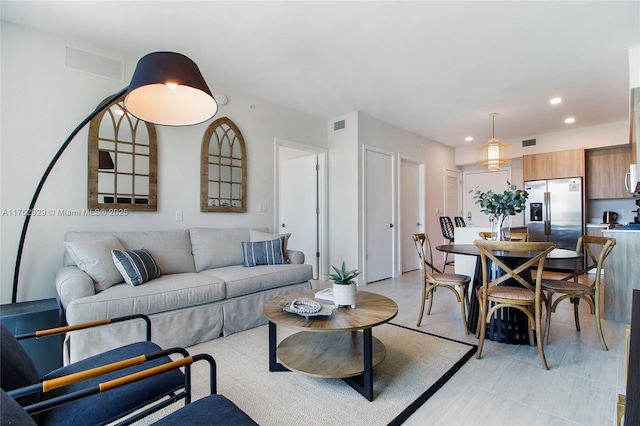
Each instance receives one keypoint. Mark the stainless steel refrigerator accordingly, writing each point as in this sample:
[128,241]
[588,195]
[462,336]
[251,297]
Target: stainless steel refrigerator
[555,213]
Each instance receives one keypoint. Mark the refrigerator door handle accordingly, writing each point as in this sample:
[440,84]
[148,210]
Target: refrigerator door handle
[547,213]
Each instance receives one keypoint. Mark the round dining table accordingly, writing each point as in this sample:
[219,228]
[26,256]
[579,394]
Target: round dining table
[507,325]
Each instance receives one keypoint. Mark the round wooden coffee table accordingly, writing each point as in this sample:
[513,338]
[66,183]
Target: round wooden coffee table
[336,346]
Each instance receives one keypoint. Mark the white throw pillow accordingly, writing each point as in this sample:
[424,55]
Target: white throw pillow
[94,258]
[266,236]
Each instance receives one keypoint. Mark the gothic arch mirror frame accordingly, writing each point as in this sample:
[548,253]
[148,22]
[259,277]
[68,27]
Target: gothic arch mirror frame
[123,161]
[223,168]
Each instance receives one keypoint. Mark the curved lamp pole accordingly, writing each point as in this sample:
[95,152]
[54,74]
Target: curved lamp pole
[167,88]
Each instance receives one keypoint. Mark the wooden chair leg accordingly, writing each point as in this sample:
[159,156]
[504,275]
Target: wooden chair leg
[464,313]
[538,325]
[576,314]
[430,295]
[482,322]
[547,326]
[599,328]
[424,289]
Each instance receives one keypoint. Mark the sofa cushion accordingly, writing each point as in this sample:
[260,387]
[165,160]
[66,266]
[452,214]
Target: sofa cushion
[136,266]
[217,247]
[240,280]
[171,249]
[169,292]
[94,257]
[263,252]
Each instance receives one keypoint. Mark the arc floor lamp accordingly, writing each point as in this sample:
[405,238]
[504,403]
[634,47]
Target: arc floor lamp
[167,88]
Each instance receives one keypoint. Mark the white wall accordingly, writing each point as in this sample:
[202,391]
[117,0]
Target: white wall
[43,101]
[435,156]
[344,198]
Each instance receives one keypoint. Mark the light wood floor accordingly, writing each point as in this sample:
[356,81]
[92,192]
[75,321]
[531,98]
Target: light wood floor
[508,386]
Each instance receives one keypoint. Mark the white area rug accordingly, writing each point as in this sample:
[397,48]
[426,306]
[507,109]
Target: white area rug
[416,365]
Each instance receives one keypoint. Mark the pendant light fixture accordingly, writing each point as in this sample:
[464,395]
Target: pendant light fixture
[494,153]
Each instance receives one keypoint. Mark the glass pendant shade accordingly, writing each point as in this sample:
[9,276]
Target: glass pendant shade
[167,88]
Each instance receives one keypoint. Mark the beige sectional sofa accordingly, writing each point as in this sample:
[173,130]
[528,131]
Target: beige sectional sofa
[204,292]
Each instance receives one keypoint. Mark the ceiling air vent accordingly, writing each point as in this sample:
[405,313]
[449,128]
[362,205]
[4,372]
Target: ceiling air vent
[529,142]
[338,125]
[92,63]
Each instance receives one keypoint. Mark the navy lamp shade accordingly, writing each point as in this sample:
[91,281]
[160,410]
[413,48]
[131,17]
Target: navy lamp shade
[167,88]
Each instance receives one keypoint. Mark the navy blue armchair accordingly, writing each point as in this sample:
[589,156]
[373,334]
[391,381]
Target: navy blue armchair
[42,396]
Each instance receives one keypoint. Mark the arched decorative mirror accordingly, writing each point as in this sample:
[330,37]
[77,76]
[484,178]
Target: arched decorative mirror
[223,169]
[123,161]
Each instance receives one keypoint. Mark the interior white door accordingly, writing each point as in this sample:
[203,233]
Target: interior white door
[453,186]
[379,216]
[411,213]
[484,180]
[297,209]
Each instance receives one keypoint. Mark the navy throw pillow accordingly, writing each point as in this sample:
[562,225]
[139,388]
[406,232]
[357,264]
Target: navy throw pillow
[136,266]
[269,252]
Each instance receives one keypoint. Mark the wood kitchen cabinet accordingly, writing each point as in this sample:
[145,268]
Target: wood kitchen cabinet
[606,168]
[554,165]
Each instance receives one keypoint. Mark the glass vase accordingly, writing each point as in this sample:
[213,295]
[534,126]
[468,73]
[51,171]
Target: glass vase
[501,228]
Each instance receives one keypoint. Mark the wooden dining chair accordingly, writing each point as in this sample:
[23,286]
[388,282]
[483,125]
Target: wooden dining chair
[432,278]
[496,294]
[595,250]
[515,236]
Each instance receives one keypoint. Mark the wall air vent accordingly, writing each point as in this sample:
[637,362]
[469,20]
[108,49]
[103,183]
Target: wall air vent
[529,142]
[338,125]
[92,63]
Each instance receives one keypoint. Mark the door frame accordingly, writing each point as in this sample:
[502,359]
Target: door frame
[363,214]
[322,193]
[459,173]
[466,187]
[421,202]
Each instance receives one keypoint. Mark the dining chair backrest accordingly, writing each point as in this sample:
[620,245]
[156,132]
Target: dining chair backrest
[459,221]
[588,246]
[423,247]
[447,228]
[535,252]
[515,236]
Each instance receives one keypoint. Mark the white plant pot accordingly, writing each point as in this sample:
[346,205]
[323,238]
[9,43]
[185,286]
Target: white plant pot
[345,294]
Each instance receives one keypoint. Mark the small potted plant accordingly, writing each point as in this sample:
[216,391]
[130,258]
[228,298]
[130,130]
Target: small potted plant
[499,206]
[344,288]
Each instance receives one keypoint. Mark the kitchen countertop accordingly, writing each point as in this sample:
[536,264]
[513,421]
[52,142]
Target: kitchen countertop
[632,227]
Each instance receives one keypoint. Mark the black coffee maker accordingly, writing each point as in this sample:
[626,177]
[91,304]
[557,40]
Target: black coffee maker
[636,219]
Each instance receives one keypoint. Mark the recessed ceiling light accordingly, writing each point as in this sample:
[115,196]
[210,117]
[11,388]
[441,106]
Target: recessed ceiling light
[555,101]
[569,120]
[468,139]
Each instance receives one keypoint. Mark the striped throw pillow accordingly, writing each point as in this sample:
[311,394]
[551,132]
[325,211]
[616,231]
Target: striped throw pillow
[269,252]
[136,266]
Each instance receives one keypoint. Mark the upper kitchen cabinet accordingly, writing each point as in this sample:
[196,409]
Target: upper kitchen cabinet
[606,168]
[553,165]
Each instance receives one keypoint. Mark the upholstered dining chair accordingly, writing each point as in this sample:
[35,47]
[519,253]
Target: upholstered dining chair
[432,278]
[496,294]
[595,250]
[459,221]
[447,232]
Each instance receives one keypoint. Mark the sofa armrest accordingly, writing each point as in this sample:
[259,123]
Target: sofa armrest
[72,283]
[295,257]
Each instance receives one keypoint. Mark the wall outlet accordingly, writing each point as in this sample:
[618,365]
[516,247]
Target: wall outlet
[262,207]
[179,216]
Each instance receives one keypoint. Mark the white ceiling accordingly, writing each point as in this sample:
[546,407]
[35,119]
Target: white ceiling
[435,68]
